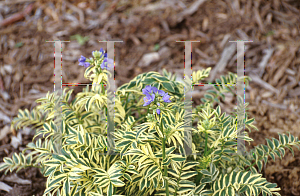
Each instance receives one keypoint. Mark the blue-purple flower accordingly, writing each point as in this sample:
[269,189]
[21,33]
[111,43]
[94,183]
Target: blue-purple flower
[158,110]
[102,51]
[86,64]
[149,89]
[82,62]
[107,63]
[165,96]
[148,99]
[150,93]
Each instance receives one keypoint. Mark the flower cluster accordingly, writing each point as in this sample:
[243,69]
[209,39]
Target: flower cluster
[82,62]
[151,92]
[106,63]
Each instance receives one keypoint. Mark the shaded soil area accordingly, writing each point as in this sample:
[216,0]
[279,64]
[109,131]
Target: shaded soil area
[150,28]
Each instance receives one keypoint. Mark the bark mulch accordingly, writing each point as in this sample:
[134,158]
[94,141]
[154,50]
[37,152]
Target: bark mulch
[150,28]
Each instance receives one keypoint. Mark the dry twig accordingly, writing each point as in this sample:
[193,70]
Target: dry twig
[17,16]
[15,2]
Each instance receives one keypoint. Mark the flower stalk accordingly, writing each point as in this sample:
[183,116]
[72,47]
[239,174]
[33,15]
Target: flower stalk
[151,97]
[164,156]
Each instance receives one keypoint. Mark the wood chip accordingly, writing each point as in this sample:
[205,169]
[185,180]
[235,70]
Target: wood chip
[202,54]
[165,26]
[295,92]
[258,20]
[76,9]
[264,61]
[17,16]
[5,187]
[226,55]
[189,11]
[280,106]
[4,132]
[279,73]
[262,83]
[15,2]
[14,178]
[289,71]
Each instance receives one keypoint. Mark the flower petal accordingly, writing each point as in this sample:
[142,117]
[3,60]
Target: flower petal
[145,91]
[166,98]
[86,64]
[153,97]
[110,64]
[161,92]
[158,111]
[148,88]
[154,89]
[81,59]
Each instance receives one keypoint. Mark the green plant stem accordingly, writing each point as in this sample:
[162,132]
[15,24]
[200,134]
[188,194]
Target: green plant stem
[206,136]
[164,156]
[126,101]
[221,153]
[199,176]
[178,180]
[139,112]
[103,90]
[40,167]
[254,163]
[139,120]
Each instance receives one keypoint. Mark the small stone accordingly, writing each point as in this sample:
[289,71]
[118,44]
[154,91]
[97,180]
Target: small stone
[18,76]
[16,141]
[82,5]
[149,58]
[34,91]
[4,132]
[4,95]
[5,118]
[267,94]
[26,131]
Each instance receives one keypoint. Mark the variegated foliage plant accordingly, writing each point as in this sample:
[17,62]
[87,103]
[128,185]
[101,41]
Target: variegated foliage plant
[150,158]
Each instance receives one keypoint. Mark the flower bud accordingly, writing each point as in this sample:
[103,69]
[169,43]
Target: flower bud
[96,54]
[229,169]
